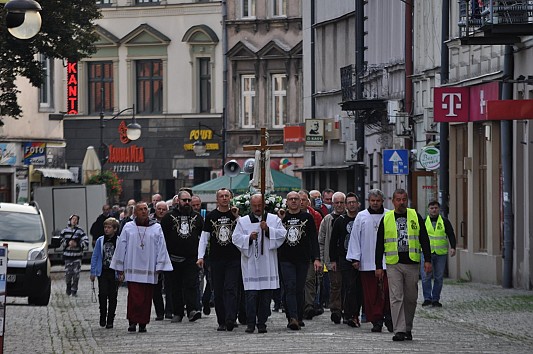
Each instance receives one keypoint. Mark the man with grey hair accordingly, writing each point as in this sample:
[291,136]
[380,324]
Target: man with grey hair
[362,256]
[324,239]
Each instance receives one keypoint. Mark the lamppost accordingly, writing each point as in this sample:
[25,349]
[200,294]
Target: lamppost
[23,19]
[133,131]
[200,147]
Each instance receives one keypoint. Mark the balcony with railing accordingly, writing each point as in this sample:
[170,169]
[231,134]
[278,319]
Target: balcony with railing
[495,22]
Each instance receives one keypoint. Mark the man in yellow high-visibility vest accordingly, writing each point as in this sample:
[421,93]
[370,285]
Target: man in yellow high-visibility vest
[402,237]
[440,233]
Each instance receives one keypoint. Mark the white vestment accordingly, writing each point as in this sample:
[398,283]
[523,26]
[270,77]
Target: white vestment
[362,244]
[141,252]
[259,271]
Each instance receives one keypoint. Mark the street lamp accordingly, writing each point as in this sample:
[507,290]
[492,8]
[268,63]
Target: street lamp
[23,19]
[133,132]
[200,147]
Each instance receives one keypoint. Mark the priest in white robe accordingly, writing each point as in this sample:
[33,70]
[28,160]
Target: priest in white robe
[258,240]
[140,255]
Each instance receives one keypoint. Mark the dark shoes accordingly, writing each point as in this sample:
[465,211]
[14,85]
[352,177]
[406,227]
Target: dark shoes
[168,316]
[426,303]
[261,329]
[230,325]
[103,320]
[408,335]
[388,324]
[353,322]
[336,317]
[194,315]
[293,324]
[250,329]
[109,325]
[132,327]
[159,318]
[377,328]
[142,328]
[301,323]
[436,304]
[221,328]
[207,310]
[75,293]
[399,337]
[176,319]
[309,314]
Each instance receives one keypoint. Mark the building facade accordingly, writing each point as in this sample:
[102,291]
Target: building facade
[162,60]
[264,79]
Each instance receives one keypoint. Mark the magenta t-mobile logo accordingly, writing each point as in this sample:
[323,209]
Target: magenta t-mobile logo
[451,102]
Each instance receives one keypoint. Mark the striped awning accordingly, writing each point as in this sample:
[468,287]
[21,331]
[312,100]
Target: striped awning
[56,173]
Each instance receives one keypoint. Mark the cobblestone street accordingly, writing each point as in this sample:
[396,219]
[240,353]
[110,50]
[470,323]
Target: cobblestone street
[474,318]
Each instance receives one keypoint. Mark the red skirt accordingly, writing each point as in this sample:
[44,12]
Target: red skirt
[139,302]
[376,299]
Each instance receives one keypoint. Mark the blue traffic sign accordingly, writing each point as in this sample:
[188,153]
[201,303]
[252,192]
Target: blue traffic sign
[396,162]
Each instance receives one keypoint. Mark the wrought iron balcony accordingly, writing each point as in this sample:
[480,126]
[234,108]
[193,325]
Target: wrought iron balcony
[495,22]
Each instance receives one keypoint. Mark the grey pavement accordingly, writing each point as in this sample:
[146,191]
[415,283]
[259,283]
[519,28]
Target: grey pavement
[475,318]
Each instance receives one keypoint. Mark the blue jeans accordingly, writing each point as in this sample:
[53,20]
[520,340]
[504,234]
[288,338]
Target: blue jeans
[438,263]
[257,306]
[293,279]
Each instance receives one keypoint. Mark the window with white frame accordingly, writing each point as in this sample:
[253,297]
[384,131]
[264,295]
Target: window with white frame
[204,81]
[247,101]
[279,8]
[279,100]
[248,8]
[45,91]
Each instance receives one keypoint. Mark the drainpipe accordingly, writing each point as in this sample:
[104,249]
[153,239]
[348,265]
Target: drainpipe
[313,84]
[408,102]
[506,139]
[444,182]
[359,168]
[224,81]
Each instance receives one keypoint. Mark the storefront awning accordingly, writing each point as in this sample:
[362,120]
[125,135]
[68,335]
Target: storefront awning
[324,168]
[56,173]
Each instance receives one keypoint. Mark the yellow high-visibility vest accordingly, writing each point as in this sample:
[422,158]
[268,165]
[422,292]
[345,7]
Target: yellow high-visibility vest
[437,236]
[391,237]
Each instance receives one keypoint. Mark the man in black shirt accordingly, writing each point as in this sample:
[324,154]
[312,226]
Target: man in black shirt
[351,291]
[225,258]
[300,246]
[182,227]
[402,237]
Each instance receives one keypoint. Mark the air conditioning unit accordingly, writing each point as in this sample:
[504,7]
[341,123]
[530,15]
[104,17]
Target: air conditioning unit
[393,109]
[215,174]
[429,124]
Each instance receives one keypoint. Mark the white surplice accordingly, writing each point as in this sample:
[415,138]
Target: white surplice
[141,252]
[259,271]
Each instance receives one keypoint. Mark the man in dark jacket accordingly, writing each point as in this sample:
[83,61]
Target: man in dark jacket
[97,228]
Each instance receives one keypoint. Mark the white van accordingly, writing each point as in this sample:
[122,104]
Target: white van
[28,268]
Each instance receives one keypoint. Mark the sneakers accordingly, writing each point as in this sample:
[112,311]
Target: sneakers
[436,304]
[399,337]
[176,319]
[376,328]
[426,303]
[293,324]
[336,317]
[194,315]
[408,335]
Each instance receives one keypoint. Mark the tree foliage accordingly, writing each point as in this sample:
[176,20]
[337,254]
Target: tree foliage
[67,32]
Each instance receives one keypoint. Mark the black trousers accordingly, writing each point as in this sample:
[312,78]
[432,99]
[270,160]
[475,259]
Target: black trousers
[184,286]
[225,278]
[107,292]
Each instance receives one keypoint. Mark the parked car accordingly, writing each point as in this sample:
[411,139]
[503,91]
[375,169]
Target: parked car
[22,228]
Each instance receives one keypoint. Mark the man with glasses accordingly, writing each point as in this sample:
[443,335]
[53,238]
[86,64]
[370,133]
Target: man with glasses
[324,240]
[182,227]
[299,247]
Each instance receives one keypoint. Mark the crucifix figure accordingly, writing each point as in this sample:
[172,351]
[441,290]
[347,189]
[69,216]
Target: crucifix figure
[263,148]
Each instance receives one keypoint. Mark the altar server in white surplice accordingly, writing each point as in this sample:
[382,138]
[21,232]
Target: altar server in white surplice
[259,261]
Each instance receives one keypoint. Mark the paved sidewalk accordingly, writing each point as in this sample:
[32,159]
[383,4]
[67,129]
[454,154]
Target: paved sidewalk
[475,318]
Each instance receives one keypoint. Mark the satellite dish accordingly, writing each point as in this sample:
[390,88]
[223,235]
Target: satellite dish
[249,166]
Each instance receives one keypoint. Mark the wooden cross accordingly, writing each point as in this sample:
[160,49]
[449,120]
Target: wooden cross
[263,148]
